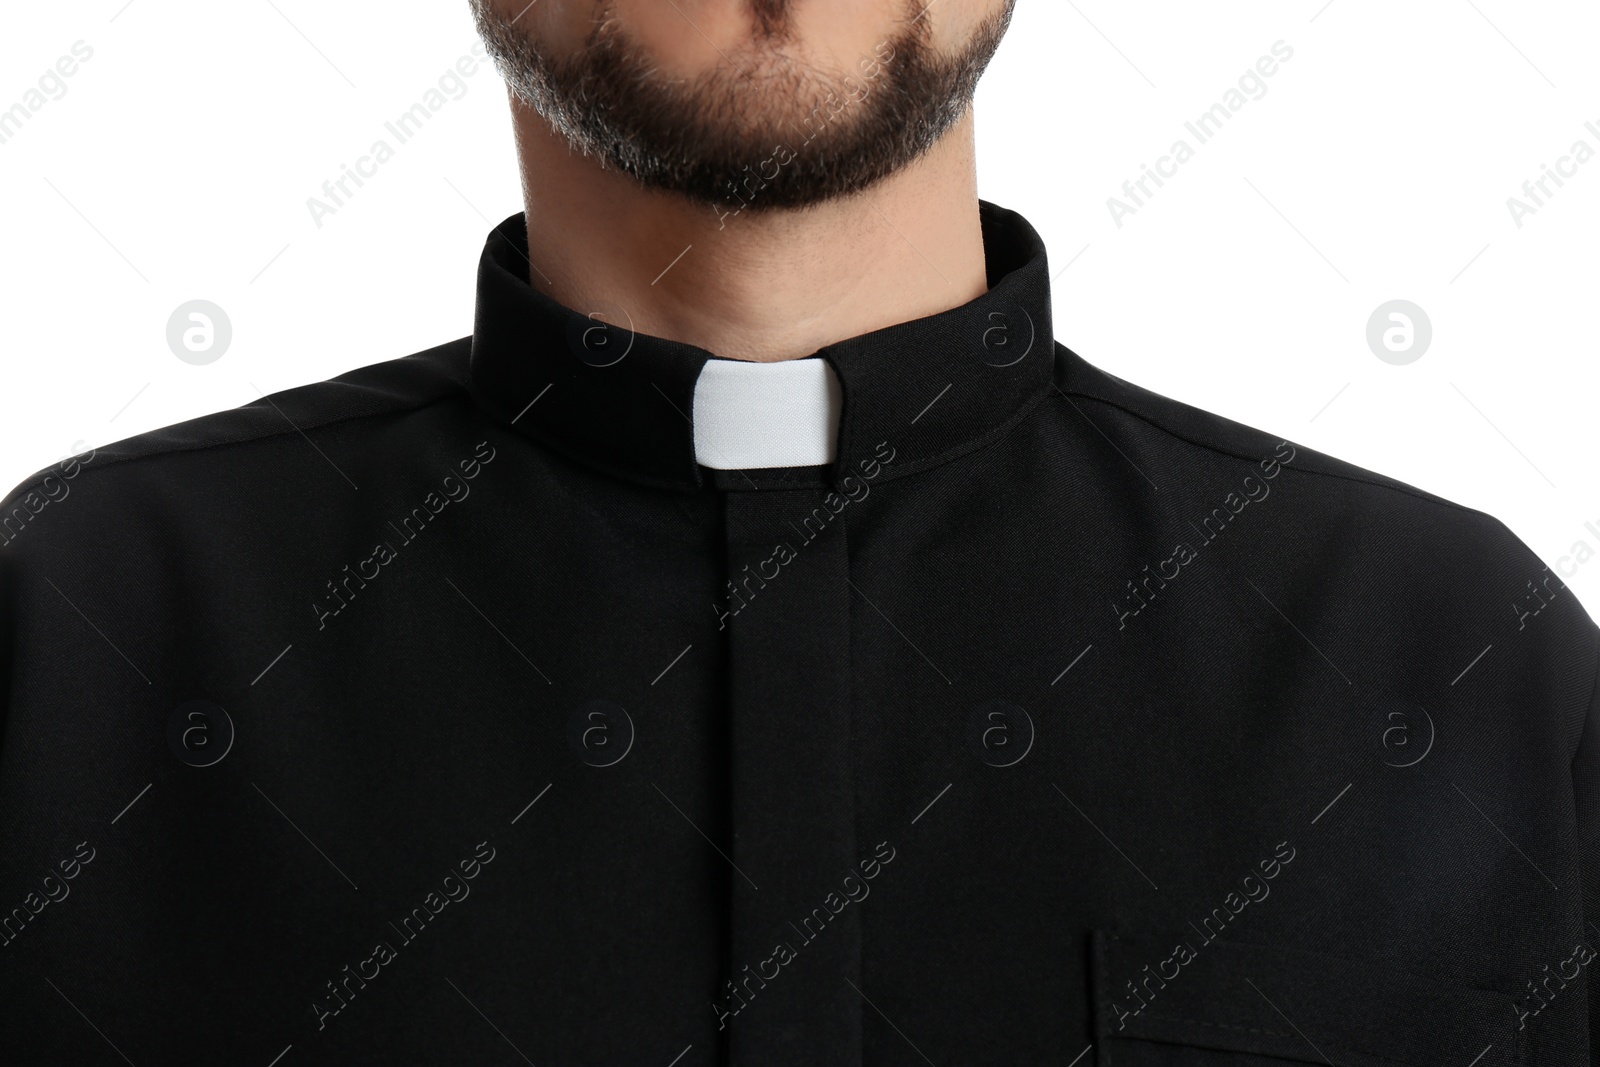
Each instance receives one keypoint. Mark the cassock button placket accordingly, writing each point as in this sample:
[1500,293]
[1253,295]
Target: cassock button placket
[789,997]
[910,397]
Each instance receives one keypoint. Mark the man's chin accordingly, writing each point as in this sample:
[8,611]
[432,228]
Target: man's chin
[819,134]
[768,172]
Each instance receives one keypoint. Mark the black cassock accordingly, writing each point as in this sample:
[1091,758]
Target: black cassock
[448,712]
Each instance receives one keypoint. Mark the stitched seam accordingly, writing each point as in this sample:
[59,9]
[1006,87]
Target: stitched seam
[1276,1033]
[1303,470]
[966,448]
[1517,1046]
[1220,1026]
[117,461]
[114,461]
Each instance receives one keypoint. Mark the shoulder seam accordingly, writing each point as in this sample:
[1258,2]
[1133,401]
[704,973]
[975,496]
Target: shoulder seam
[40,476]
[1288,466]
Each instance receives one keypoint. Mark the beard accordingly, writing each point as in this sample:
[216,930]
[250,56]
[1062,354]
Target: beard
[762,131]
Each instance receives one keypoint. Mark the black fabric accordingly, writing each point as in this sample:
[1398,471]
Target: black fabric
[593,388]
[1265,1001]
[447,712]
[793,803]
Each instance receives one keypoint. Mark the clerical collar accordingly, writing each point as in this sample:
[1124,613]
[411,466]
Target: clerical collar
[586,384]
[756,416]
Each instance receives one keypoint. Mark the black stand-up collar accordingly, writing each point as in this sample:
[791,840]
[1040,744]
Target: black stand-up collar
[589,386]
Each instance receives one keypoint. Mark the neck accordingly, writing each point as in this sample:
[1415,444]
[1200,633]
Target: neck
[752,285]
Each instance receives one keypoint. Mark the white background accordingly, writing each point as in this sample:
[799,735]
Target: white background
[1377,166]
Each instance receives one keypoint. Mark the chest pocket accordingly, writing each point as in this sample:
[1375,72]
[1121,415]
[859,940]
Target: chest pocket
[1239,1005]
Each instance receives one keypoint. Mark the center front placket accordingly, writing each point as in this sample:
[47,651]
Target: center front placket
[794,972]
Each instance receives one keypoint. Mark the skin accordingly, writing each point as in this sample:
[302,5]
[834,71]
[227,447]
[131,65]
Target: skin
[766,283]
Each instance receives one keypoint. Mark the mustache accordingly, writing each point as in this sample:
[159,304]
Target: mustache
[772,17]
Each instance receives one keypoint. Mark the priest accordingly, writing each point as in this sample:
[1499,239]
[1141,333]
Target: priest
[759,641]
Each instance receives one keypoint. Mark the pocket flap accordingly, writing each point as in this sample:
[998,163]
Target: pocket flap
[1291,1003]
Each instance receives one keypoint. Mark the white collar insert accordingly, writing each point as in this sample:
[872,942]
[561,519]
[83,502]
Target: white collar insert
[783,414]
